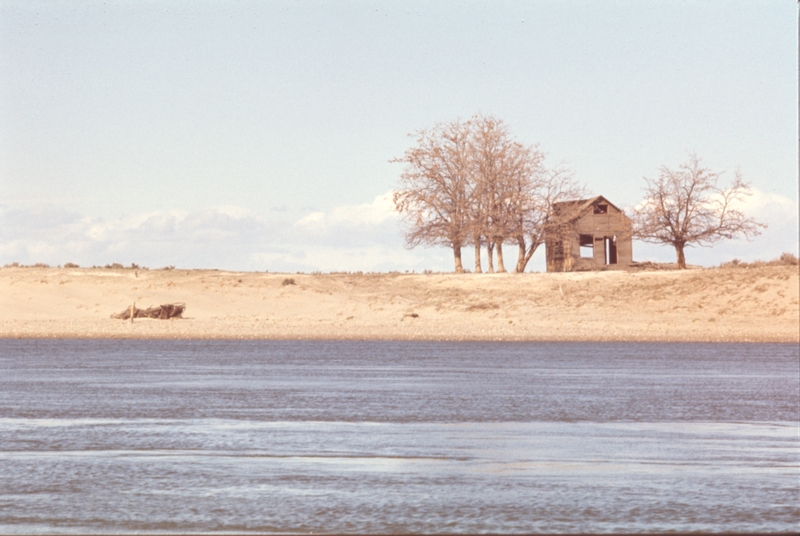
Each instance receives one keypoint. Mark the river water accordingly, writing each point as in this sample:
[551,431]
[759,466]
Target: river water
[316,436]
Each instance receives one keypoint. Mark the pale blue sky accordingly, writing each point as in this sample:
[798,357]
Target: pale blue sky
[257,135]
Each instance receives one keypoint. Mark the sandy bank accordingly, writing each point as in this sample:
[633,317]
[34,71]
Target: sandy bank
[736,304]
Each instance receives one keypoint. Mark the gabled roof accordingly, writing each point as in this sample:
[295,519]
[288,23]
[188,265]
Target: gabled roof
[581,205]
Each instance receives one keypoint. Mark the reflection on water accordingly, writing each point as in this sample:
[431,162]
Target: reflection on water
[163,436]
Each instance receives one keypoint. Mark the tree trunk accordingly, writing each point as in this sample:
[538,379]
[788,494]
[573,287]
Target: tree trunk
[681,259]
[490,251]
[525,255]
[521,262]
[478,256]
[529,254]
[501,268]
[457,257]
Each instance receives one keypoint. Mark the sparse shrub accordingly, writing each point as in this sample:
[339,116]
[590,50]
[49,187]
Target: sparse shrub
[288,281]
[41,265]
[786,259]
[170,267]
[114,266]
[733,263]
[71,265]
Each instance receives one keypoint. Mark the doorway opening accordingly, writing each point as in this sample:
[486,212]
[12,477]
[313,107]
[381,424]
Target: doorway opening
[611,249]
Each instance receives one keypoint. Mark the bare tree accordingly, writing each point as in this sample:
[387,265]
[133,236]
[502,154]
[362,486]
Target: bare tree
[515,192]
[534,213]
[501,163]
[470,182]
[477,216]
[436,188]
[686,206]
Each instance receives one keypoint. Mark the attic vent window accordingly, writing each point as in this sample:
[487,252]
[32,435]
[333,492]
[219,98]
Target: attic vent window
[601,209]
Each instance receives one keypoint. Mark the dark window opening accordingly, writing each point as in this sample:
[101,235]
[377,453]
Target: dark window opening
[587,246]
[611,249]
[601,209]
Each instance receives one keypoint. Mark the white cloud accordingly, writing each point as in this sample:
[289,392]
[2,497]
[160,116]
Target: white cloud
[314,222]
[352,225]
[363,237]
[380,211]
[51,235]
[352,237]
[769,206]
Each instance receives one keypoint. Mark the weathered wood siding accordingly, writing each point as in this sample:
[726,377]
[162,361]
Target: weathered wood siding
[563,250]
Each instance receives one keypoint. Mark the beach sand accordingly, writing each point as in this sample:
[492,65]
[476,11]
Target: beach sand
[730,304]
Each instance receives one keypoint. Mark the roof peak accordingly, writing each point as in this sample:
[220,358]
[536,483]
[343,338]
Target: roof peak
[583,204]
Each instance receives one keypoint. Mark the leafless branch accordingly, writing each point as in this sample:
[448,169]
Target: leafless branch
[686,206]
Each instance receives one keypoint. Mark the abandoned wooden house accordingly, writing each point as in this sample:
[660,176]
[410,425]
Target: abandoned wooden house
[591,234]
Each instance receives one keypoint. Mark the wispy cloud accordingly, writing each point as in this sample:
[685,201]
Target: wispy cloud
[352,237]
[351,225]
[363,237]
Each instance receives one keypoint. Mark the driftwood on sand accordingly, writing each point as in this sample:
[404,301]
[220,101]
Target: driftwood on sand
[162,312]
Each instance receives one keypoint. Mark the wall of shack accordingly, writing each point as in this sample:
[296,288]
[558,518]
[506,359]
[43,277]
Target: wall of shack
[563,250]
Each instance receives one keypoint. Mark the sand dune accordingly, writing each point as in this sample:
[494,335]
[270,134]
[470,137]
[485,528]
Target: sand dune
[732,304]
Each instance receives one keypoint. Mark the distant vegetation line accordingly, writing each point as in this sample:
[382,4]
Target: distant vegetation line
[785,259]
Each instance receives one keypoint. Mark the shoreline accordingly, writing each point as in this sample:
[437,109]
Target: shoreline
[187,330]
[757,305]
[390,339]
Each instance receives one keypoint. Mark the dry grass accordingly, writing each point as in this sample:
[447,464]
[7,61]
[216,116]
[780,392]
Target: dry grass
[719,304]
[786,259]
